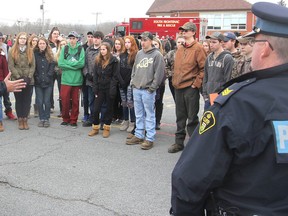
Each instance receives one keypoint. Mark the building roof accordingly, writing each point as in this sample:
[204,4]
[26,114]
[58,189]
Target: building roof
[172,6]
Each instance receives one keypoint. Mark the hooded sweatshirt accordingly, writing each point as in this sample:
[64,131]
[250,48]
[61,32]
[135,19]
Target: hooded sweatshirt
[72,66]
[216,72]
[148,70]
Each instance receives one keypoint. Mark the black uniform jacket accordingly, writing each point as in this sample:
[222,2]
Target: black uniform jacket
[239,150]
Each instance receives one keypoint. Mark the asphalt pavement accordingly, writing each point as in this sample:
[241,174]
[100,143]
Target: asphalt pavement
[61,171]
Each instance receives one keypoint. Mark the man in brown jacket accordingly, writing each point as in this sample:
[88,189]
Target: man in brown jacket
[187,80]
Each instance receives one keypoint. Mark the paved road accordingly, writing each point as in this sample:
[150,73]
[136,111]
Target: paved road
[61,171]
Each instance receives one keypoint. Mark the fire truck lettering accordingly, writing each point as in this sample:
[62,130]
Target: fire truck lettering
[171,21]
[170,25]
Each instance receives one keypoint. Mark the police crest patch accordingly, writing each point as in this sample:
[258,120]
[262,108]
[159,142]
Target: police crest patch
[207,122]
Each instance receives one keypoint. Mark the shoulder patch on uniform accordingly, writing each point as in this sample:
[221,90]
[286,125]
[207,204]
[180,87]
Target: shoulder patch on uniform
[226,91]
[281,140]
[207,122]
[225,94]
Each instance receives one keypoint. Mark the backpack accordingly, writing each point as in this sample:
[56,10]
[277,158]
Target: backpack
[66,53]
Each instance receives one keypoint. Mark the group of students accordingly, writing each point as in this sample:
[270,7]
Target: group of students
[196,69]
[104,77]
[103,71]
[229,57]
[128,77]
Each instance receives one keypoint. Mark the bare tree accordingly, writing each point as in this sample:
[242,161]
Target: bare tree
[282,3]
[36,27]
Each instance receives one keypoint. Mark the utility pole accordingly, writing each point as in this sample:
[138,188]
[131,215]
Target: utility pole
[43,21]
[19,22]
[97,14]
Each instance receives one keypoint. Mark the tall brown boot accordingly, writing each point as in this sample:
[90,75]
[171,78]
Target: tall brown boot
[20,123]
[25,123]
[106,131]
[95,130]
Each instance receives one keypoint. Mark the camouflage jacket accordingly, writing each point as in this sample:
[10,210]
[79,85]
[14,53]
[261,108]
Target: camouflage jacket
[241,66]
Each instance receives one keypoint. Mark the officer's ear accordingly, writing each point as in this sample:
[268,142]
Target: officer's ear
[267,49]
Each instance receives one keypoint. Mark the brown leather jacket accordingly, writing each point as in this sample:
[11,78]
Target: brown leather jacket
[189,66]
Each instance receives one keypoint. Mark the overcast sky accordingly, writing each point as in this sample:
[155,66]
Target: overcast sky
[81,11]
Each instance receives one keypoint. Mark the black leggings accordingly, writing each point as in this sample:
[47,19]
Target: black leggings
[23,101]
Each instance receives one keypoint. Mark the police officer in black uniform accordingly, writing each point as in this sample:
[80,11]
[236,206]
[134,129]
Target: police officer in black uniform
[236,162]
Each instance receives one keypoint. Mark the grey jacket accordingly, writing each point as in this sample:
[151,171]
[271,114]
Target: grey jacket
[148,70]
[216,72]
[90,56]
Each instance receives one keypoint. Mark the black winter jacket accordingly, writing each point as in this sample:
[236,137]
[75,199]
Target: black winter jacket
[106,78]
[44,70]
[124,76]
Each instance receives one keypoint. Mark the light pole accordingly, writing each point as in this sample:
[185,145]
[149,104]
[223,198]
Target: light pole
[97,14]
[43,21]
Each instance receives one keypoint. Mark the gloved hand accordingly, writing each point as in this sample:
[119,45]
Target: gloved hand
[89,77]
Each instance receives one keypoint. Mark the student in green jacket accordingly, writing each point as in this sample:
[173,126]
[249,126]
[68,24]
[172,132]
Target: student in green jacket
[71,61]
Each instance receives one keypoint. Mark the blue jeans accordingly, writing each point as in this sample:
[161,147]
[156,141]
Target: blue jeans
[90,98]
[43,102]
[1,111]
[145,114]
[126,112]
[84,90]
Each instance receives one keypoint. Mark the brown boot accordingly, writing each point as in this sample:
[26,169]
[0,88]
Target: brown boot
[95,130]
[106,131]
[25,123]
[1,127]
[20,123]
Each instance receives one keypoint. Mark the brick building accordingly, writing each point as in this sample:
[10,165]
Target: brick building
[222,15]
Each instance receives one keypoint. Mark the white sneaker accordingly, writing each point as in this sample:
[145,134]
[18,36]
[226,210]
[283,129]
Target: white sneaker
[131,127]
[124,125]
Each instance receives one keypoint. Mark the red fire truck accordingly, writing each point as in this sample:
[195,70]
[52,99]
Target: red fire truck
[161,26]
